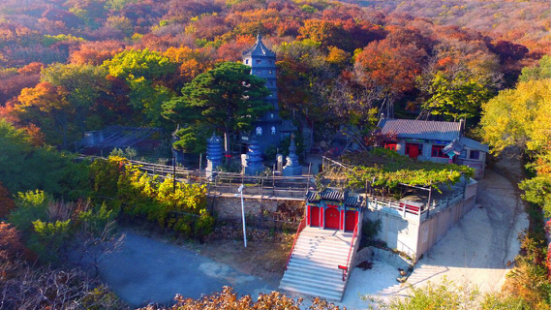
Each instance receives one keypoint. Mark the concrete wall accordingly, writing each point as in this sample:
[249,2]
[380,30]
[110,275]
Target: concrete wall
[230,207]
[415,237]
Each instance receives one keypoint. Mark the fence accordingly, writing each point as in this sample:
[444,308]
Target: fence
[293,187]
[413,211]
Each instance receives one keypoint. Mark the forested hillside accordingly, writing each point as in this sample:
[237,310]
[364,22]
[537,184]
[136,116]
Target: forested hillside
[524,22]
[72,66]
[69,66]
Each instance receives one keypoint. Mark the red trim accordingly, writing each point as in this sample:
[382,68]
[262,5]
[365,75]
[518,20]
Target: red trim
[302,226]
[228,155]
[341,220]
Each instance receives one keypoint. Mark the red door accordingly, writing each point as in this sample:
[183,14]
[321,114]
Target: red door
[331,216]
[351,218]
[413,150]
[314,216]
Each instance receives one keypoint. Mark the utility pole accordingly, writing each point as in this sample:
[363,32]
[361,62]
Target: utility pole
[240,190]
[174,174]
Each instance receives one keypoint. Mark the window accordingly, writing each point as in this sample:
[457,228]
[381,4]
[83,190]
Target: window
[259,131]
[247,61]
[474,155]
[258,61]
[437,151]
[270,72]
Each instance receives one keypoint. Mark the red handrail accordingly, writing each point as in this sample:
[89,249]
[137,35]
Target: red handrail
[302,226]
[353,241]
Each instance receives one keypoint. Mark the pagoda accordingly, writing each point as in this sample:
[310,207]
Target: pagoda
[267,130]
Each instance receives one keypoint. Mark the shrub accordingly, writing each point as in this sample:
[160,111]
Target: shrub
[31,206]
[6,202]
[229,300]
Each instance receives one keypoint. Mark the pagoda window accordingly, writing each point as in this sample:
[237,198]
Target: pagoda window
[259,131]
[258,61]
[247,61]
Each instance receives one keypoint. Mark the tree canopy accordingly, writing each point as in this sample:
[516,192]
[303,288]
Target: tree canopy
[226,97]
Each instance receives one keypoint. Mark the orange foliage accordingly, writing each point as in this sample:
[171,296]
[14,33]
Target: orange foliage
[392,67]
[35,135]
[6,202]
[229,300]
[32,68]
[192,61]
[232,51]
[96,53]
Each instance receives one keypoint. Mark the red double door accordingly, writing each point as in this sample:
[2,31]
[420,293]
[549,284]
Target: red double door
[332,218]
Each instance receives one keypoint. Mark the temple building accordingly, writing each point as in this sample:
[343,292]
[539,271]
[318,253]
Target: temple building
[268,130]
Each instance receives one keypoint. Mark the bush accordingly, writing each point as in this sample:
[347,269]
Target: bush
[6,202]
[169,204]
[31,206]
[229,300]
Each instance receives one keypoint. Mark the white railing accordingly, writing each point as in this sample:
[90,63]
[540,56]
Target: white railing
[406,210]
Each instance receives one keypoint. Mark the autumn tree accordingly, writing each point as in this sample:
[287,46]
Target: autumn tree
[227,299]
[26,167]
[148,75]
[6,202]
[227,97]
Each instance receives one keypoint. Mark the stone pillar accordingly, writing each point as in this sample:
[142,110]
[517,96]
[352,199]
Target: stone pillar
[254,159]
[279,163]
[214,156]
[292,168]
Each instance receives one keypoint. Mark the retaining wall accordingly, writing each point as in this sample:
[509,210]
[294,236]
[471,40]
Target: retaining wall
[229,207]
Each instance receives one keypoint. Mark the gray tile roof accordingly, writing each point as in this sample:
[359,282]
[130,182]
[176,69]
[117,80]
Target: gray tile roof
[419,129]
[335,195]
[259,49]
[472,144]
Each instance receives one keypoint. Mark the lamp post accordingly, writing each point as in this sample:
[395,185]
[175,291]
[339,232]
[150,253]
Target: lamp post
[240,190]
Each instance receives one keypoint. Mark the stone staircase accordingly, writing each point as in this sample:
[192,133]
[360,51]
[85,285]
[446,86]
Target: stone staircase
[313,268]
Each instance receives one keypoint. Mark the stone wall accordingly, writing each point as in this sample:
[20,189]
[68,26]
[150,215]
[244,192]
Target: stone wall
[229,207]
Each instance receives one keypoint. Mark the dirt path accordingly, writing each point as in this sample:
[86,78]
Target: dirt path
[149,270]
[482,247]
[479,249]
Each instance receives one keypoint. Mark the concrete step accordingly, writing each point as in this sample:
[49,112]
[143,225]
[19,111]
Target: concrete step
[329,295]
[308,264]
[315,253]
[324,247]
[326,233]
[301,274]
[299,267]
[336,285]
[321,259]
[322,251]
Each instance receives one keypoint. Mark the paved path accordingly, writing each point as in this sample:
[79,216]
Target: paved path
[477,250]
[148,270]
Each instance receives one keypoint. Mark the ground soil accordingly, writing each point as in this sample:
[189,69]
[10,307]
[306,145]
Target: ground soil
[264,259]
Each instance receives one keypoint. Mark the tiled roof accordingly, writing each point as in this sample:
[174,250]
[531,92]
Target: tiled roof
[259,49]
[335,195]
[419,129]
[455,146]
[472,144]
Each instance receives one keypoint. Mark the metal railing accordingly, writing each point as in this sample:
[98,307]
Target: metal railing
[349,259]
[300,228]
[405,209]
